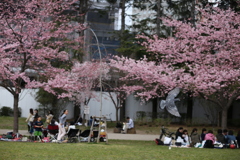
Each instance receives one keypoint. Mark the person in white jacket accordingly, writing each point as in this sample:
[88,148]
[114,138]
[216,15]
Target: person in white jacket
[29,121]
[128,125]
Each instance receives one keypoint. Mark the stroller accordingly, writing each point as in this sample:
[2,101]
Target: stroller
[83,137]
[72,135]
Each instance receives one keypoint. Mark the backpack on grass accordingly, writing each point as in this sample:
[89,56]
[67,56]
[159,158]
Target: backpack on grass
[159,142]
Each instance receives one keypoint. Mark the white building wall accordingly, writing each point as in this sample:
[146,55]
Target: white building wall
[202,109]
[133,105]
[108,108]
[26,100]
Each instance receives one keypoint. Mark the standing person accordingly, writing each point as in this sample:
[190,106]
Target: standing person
[38,125]
[49,117]
[195,137]
[204,131]
[35,115]
[29,121]
[90,121]
[62,120]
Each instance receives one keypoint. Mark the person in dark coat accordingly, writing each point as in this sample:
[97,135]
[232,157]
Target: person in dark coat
[220,137]
[195,137]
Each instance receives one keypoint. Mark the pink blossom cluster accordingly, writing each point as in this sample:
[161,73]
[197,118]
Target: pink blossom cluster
[204,59]
[33,35]
[79,83]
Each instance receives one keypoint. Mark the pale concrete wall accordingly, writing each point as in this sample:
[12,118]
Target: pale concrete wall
[133,105]
[108,108]
[27,100]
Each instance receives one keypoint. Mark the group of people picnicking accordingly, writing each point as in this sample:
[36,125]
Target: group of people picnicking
[35,124]
[207,139]
[204,140]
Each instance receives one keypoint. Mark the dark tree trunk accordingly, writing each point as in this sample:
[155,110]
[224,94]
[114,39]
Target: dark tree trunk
[158,16]
[224,117]
[83,8]
[189,106]
[15,112]
[123,2]
[154,109]
[224,105]
[122,111]
[117,109]
[193,13]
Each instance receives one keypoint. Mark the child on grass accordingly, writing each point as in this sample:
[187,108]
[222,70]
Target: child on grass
[38,125]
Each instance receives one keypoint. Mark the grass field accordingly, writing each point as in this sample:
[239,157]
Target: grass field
[7,123]
[116,149]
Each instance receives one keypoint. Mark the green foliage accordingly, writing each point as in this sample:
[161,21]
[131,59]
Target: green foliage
[45,98]
[50,101]
[129,46]
[8,111]
[141,115]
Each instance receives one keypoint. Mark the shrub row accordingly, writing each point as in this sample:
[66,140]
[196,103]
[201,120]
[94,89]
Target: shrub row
[8,111]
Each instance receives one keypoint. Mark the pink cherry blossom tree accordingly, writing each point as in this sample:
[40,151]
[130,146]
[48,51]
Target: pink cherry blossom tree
[81,82]
[204,59]
[34,34]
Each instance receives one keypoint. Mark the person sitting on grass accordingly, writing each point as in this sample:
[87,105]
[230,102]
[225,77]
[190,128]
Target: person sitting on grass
[186,138]
[204,131]
[195,137]
[210,139]
[225,133]
[179,133]
[220,137]
[230,137]
[38,125]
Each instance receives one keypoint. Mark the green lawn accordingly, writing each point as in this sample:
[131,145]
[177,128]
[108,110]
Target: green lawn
[116,149]
[7,123]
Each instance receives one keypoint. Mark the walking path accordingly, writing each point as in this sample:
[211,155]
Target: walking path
[144,137]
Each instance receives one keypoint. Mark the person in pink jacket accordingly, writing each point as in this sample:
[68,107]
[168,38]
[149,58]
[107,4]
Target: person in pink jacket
[210,136]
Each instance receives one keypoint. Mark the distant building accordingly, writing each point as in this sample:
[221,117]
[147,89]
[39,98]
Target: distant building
[103,19]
